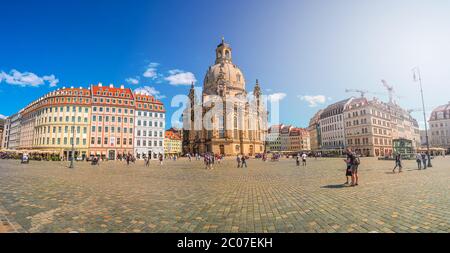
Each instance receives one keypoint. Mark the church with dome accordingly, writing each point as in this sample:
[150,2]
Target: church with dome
[226,119]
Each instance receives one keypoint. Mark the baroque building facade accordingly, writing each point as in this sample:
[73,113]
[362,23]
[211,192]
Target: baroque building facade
[172,143]
[314,132]
[439,132]
[226,121]
[58,119]
[368,128]
[288,139]
[99,120]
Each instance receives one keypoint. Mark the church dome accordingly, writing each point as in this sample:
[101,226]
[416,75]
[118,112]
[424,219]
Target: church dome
[223,71]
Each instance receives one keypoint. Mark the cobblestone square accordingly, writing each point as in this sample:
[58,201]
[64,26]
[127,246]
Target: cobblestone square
[182,196]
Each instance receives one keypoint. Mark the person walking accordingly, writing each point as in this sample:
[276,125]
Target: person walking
[398,163]
[419,161]
[211,159]
[244,161]
[161,159]
[128,159]
[304,159]
[206,161]
[424,160]
[189,157]
[147,161]
[297,159]
[238,160]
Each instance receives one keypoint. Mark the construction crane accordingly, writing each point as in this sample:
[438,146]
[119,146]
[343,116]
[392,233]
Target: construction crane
[390,90]
[362,92]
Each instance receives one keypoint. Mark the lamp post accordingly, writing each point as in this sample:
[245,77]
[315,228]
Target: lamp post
[424,113]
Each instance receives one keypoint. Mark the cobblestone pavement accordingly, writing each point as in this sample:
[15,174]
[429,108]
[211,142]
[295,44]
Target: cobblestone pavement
[182,196]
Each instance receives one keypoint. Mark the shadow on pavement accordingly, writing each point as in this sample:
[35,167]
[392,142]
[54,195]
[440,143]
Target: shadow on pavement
[334,186]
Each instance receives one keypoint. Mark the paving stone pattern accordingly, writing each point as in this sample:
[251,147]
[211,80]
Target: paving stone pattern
[182,196]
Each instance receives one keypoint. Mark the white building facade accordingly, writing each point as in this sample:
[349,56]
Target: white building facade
[149,127]
[332,126]
[12,133]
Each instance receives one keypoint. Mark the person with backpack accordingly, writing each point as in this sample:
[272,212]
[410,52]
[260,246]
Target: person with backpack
[354,162]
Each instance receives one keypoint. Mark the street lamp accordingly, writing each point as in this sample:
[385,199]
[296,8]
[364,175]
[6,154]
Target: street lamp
[416,69]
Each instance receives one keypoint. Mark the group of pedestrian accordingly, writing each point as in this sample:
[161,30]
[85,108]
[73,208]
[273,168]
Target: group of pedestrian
[209,160]
[130,158]
[241,161]
[422,160]
[352,163]
[302,157]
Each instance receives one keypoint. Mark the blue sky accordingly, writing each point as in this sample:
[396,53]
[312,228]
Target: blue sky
[307,52]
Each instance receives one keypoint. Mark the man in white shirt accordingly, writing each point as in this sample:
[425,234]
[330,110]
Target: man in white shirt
[304,159]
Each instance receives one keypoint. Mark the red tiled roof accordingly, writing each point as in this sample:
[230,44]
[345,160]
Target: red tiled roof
[171,135]
[111,92]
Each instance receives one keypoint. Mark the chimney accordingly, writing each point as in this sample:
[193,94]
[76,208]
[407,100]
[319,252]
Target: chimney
[99,84]
[111,86]
[122,87]
[71,87]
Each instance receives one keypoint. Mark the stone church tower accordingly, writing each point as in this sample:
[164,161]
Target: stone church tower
[228,120]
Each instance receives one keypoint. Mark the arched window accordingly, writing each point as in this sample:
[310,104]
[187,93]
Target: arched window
[227,54]
[238,77]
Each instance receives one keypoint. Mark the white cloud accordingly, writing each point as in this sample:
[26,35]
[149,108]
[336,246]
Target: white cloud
[2,116]
[132,80]
[25,79]
[52,80]
[314,101]
[180,77]
[151,91]
[151,71]
[277,96]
